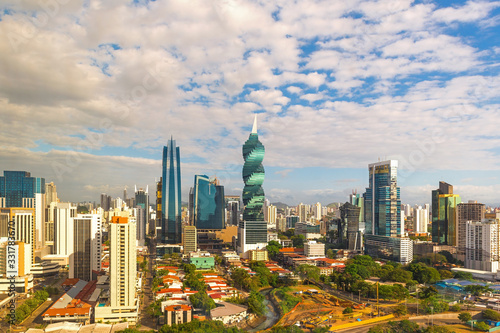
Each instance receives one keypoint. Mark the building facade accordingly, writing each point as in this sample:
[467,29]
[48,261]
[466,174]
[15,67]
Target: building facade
[170,217]
[142,201]
[189,239]
[208,203]
[471,211]
[85,261]
[482,248]
[444,215]
[252,233]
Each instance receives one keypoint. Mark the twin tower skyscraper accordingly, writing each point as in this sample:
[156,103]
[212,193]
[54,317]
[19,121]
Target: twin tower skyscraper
[252,231]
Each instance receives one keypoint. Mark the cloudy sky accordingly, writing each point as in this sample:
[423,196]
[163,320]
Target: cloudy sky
[90,91]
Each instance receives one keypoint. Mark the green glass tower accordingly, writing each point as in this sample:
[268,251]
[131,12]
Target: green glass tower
[253,228]
[445,215]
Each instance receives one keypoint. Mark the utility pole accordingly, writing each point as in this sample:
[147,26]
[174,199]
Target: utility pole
[378,306]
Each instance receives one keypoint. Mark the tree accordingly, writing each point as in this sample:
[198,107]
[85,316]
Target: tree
[424,274]
[256,303]
[203,301]
[195,281]
[298,241]
[445,274]
[462,276]
[347,310]
[428,292]
[455,308]
[482,326]
[330,253]
[464,317]
[477,290]
[273,248]
[491,315]
[400,310]
[309,272]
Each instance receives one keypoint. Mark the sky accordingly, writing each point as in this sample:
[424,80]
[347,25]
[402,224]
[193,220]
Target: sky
[90,92]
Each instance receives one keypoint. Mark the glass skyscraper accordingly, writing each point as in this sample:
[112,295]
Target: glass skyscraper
[445,215]
[18,185]
[171,228]
[382,201]
[253,228]
[208,203]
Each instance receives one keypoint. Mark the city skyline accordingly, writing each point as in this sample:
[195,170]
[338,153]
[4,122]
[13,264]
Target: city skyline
[336,87]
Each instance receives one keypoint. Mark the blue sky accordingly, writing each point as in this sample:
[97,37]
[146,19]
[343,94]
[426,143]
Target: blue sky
[91,91]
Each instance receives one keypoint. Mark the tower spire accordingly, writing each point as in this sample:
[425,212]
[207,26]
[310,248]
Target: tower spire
[254,128]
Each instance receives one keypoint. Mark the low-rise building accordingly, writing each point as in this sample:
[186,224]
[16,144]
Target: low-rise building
[202,260]
[178,314]
[229,313]
[313,249]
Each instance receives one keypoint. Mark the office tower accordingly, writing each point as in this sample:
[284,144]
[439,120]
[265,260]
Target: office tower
[189,239]
[86,257]
[444,215]
[125,195]
[19,189]
[382,200]
[349,214]
[317,211]
[233,212]
[291,221]
[252,233]
[471,211]
[384,229]
[64,213]
[271,214]
[105,202]
[170,218]
[15,266]
[357,200]
[482,245]
[142,201]
[24,226]
[122,262]
[208,203]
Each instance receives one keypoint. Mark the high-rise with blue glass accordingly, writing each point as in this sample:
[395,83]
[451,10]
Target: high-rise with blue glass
[382,202]
[170,219]
[252,233]
[19,189]
[208,203]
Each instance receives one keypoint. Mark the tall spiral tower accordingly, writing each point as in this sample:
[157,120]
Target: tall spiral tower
[253,228]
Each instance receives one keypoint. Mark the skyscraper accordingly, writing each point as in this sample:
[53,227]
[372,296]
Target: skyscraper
[171,228]
[382,200]
[19,189]
[142,201]
[86,257]
[444,215]
[208,203]
[252,233]
[471,211]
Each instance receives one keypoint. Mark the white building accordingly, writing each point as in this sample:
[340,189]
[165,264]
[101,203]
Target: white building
[421,220]
[21,255]
[123,303]
[314,249]
[318,212]
[482,249]
[64,215]
[271,214]
[87,247]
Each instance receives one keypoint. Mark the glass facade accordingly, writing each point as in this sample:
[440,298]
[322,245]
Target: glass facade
[382,200]
[16,185]
[253,193]
[445,215]
[209,203]
[171,228]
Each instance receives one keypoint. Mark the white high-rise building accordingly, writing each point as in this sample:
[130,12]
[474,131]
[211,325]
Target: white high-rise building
[302,211]
[482,248]
[122,262]
[87,247]
[64,215]
[318,213]
[271,214]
